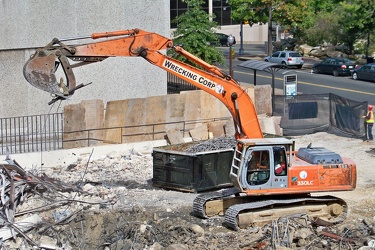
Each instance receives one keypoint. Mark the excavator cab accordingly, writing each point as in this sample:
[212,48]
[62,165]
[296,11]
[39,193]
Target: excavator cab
[260,164]
[264,166]
[257,166]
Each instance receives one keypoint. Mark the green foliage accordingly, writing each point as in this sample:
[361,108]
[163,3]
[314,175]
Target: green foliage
[252,11]
[326,29]
[195,32]
[317,6]
[350,24]
[314,21]
[338,22]
[290,14]
[286,13]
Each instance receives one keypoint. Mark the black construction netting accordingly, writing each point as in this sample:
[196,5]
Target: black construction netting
[307,114]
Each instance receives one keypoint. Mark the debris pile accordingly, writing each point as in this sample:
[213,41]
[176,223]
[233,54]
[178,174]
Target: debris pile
[298,231]
[25,198]
[110,203]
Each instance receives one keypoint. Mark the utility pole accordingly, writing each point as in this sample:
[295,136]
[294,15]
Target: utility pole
[241,51]
[269,30]
[230,42]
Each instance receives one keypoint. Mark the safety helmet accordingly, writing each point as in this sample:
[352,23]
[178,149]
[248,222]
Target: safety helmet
[370,107]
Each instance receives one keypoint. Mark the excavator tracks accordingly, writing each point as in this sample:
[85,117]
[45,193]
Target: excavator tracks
[199,204]
[234,216]
[322,209]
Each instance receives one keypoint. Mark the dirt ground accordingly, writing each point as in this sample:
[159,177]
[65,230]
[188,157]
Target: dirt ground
[110,203]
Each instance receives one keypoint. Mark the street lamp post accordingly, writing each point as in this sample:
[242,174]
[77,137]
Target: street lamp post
[230,42]
[240,52]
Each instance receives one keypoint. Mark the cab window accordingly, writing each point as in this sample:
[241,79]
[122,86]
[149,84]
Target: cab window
[258,171]
[279,158]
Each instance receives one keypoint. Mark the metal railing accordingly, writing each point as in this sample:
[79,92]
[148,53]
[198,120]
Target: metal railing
[148,132]
[31,133]
[45,132]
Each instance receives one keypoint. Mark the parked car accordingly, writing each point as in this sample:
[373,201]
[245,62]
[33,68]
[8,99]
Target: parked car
[366,72]
[335,66]
[290,58]
[223,39]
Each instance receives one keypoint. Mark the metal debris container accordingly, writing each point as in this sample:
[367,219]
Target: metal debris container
[175,168]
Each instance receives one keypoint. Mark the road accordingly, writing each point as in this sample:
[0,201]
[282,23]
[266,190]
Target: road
[307,82]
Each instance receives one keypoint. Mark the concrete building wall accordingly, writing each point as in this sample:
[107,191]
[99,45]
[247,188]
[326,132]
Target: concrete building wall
[27,24]
[257,34]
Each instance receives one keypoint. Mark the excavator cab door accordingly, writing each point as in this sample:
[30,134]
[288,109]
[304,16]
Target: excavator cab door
[264,167]
[256,166]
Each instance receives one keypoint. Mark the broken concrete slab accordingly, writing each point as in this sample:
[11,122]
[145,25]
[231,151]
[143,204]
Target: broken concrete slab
[200,133]
[270,125]
[229,128]
[175,136]
[217,128]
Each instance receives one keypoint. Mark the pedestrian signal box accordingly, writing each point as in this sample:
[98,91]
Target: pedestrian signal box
[290,85]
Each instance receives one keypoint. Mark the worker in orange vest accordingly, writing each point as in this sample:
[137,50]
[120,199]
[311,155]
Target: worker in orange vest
[369,122]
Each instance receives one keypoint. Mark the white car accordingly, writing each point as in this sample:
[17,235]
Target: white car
[289,58]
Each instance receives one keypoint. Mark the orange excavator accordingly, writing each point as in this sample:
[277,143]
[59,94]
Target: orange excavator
[270,177]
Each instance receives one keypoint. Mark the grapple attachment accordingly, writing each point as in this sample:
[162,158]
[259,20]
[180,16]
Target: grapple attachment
[40,71]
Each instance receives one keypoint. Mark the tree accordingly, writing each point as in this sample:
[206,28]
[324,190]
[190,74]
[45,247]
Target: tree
[195,32]
[325,28]
[367,8]
[250,11]
[254,11]
[284,12]
[350,24]
[339,22]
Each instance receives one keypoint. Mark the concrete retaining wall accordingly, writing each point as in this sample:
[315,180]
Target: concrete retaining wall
[189,105]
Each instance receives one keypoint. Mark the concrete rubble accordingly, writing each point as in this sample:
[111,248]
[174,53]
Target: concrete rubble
[110,203]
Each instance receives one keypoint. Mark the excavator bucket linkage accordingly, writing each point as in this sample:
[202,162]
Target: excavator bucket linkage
[40,70]
[42,67]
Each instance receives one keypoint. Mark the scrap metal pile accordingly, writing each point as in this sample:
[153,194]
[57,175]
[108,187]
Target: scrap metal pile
[300,231]
[18,214]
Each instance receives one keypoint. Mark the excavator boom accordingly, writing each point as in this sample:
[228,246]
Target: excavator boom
[40,70]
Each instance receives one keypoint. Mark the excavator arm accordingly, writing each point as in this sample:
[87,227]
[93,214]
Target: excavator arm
[40,70]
